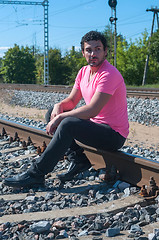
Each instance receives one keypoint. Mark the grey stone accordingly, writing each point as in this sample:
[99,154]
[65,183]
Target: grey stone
[111,232]
[40,227]
[97,238]
[49,196]
[83,233]
[135,228]
[62,234]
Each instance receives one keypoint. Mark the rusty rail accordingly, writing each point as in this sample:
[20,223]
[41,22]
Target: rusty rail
[132,168]
[131,91]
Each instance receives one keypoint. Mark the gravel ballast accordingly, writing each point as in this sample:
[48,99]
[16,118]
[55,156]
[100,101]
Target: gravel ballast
[70,195]
[59,196]
[143,111]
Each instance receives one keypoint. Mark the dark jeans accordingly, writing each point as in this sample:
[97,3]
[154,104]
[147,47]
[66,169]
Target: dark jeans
[100,136]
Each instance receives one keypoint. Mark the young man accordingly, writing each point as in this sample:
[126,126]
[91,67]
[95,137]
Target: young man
[101,123]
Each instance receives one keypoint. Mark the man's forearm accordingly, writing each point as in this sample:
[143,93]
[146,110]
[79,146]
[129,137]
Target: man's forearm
[71,101]
[66,104]
[84,112]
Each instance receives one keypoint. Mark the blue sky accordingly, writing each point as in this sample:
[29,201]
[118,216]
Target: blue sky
[69,20]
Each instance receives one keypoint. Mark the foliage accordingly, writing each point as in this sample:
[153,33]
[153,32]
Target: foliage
[154,46]
[109,37]
[39,63]
[131,61]
[74,61]
[57,69]
[18,65]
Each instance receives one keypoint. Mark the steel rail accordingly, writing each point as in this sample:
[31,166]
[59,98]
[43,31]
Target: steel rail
[132,168]
[131,91]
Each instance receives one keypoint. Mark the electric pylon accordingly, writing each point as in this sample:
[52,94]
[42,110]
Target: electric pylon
[45,4]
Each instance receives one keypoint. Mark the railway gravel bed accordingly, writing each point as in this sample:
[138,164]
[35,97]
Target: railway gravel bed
[86,207]
[143,111]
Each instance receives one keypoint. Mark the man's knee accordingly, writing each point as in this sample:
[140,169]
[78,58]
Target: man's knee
[68,123]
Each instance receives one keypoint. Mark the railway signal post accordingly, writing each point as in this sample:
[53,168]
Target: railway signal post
[113,18]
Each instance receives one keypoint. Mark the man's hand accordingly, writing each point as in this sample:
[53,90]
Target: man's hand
[56,111]
[53,124]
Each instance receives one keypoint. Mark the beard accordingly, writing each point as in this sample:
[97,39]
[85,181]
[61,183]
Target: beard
[95,62]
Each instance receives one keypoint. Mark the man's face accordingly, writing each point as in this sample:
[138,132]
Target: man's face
[94,53]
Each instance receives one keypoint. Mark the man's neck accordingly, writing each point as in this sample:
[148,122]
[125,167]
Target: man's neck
[95,69]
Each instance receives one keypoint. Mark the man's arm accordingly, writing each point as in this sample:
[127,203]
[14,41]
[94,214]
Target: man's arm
[67,104]
[98,101]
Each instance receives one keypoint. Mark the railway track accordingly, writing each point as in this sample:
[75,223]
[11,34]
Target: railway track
[131,92]
[125,163]
[133,169]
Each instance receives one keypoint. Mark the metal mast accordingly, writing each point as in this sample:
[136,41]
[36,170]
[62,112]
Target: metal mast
[46,43]
[45,4]
[155,13]
[112,4]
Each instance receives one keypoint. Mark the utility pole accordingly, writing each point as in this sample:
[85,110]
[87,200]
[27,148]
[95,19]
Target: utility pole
[45,4]
[113,19]
[155,13]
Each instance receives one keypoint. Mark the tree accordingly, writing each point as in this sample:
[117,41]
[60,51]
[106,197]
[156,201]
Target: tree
[74,60]
[39,62]
[57,68]
[131,59]
[154,46]
[110,42]
[18,65]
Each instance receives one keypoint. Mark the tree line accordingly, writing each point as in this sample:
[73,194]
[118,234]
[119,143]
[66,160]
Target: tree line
[26,64]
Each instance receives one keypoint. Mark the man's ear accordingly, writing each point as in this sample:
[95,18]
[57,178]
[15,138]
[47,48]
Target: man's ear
[83,53]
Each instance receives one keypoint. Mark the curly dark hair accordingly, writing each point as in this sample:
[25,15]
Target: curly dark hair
[93,35]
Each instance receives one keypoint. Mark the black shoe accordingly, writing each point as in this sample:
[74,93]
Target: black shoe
[24,180]
[75,168]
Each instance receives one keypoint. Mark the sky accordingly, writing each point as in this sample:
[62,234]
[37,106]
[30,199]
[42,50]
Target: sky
[69,20]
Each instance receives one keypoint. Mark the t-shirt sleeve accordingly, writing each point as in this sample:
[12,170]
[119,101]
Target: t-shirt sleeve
[108,82]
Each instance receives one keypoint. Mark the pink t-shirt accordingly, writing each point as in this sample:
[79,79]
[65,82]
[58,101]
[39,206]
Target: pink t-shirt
[107,80]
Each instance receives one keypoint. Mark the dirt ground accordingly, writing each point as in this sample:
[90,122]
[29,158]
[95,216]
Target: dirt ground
[145,136]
